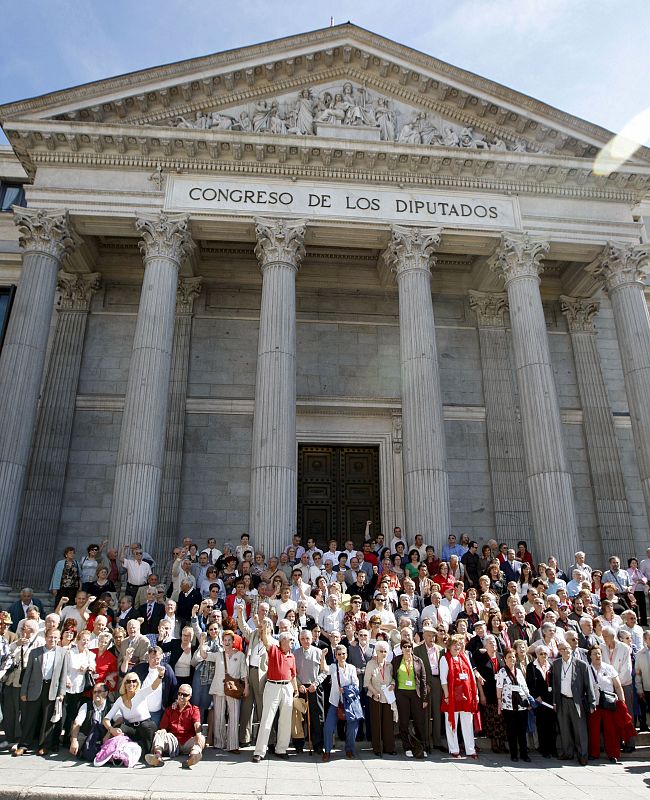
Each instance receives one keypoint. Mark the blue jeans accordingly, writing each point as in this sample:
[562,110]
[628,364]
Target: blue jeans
[330,726]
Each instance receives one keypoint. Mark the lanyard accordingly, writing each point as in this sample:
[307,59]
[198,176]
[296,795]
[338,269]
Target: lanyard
[383,672]
[407,668]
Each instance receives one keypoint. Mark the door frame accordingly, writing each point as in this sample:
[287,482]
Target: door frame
[351,430]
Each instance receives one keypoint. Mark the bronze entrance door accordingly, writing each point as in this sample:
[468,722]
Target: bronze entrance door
[338,490]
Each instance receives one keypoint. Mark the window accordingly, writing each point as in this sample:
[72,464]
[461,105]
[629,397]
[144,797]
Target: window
[11,194]
[6,299]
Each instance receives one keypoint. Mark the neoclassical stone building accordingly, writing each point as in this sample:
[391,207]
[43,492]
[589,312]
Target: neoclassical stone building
[312,282]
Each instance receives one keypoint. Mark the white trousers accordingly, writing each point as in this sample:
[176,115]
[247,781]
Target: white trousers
[277,697]
[219,704]
[466,721]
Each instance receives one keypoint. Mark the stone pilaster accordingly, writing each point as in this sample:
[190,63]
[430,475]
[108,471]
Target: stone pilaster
[165,243]
[518,262]
[505,443]
[280,249]
[426,492]
[46,237]
[598,424]
[622,269]
[42,506]
[188,290]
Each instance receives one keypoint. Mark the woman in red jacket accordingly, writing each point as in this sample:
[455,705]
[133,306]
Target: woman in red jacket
[460,697]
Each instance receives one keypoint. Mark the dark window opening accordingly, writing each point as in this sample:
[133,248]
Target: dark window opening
[11,194]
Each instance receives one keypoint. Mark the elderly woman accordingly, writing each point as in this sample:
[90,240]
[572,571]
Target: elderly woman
[538,679]
[82,661]
[460,699]
[204,673]
[405,610]
[130,713]
[105,661]
[232,662]
[412,697]
[487,663]
[378,679]
[549,638]
[181,653]
[100,582]
[456,568]
[616,722]
[341,674]
[513,705]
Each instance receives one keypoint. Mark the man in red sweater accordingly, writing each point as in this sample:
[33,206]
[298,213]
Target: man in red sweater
[179,732]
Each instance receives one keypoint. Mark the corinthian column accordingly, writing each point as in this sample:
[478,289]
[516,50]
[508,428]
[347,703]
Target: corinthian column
[166,241]
[426,492]
[505,444]
[518,262]
[280,249]
[42,506]
[598,424]
[188,290]
[622,269]
[46,237]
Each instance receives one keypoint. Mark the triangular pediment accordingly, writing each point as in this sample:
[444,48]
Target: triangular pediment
[389,81]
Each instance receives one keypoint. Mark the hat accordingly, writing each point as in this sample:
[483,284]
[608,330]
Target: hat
[479,622]
[428,626]
[563,605]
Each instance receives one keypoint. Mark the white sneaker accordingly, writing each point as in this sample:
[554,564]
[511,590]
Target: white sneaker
[409,754]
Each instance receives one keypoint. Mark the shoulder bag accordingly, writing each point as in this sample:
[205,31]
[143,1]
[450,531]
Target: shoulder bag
[232,687]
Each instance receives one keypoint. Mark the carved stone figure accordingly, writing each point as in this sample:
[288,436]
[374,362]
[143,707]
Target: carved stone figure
[429,134]
[410,132]
[385,119]
[303,123]
[450,138]
[358,112]
[334,111]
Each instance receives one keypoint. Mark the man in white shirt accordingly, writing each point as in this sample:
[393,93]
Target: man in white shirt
[311,549]
[212,551]
[397,537]
[581,565]
[436,612]
[350,552]
[331,554]
[283,603]
[331,617]
[137,570]
[450,602]
[630,625]
[309,572]
[79,611]
[420,546]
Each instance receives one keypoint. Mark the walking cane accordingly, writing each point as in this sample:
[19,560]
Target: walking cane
[309,727]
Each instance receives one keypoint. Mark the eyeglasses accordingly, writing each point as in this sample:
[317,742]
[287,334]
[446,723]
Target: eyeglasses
[356,602]
[407,647]
[184,694]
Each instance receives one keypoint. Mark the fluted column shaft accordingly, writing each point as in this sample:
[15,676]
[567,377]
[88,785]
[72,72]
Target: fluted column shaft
[45,237]
[622,269]
[598,423]
[140,457]
[505,443]
[273,496]
[547,470]
[426,489]
[188,290]
[46,478]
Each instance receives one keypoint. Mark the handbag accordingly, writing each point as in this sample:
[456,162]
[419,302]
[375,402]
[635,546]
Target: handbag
[232,687]
[89,681]
[607,700]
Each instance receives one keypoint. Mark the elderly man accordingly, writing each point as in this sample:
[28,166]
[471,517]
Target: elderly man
[279,691]
[136,644]
[18,610]
[137,570]
[179,732]
[630,625]
[43,683]
[151,612]
[574,700]
[257,662]
[311,671]
[141,596]
[331,617]
[619,577]
[20,650]
[618,655]
[87,731]
[147,672]
[431,654]
[79,611]
[436,612]
[519,628]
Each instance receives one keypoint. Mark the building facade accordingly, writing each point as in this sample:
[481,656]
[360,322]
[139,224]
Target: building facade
[313,282]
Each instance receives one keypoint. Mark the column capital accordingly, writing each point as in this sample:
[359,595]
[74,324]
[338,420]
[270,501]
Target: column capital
[187,291]
[580,313]
[75,290]
[45,231]
[621,263]
[279,241]
[489,307]
[165,236]
[411,248]
[518,256]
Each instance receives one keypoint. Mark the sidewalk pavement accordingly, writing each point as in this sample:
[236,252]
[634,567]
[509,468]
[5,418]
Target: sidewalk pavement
[226,777]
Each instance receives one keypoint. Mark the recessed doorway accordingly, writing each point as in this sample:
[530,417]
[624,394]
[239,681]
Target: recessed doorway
[338,490]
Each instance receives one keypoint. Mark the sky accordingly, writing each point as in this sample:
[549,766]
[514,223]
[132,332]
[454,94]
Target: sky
[587,57]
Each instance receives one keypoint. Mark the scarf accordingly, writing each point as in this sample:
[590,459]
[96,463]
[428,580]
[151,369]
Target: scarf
[467,687]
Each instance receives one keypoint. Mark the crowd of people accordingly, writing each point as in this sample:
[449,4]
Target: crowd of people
[232,648]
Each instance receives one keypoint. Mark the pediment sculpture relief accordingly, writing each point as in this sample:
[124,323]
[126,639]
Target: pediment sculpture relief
[350,113]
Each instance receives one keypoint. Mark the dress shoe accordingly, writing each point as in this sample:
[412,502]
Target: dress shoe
[41,751]
[349,754]
[283,756]
[19,751]
[391,752]
[526,759]
[326,757]
[377,754]
[514,758]
[613,760]
[583,761]
[234,752]
[256,759]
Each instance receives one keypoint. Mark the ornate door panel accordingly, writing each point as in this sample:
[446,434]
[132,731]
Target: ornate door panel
[338,490]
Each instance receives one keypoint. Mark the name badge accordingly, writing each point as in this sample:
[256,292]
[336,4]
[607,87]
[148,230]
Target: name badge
[408,683]
[462,676]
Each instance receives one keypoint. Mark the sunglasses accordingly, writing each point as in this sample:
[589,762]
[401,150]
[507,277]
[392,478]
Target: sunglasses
[184,694]
[407,647]
[131,680]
